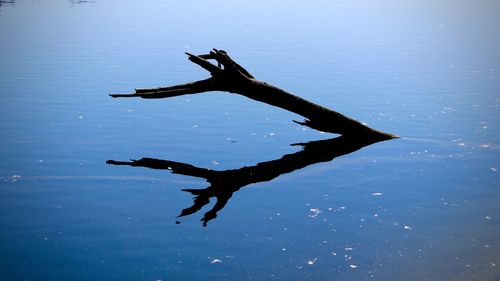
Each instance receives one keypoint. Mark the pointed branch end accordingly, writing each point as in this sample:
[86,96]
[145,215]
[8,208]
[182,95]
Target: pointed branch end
[191,57]
[124,95]
[393,136]
[304,123]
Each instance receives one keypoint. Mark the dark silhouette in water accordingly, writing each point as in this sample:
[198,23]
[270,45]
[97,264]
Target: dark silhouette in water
[229,76]
[7,2]
[82,1]
[224,183]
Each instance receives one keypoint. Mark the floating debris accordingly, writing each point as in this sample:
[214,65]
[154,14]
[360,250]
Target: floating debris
[315,212]
[377,193]
[216,261]
[353,266]
[311,262]
[407,227]
[15,178]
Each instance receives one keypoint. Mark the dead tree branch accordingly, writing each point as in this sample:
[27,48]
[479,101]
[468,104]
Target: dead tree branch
[229,76]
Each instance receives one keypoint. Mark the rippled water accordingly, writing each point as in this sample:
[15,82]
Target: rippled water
[422,207]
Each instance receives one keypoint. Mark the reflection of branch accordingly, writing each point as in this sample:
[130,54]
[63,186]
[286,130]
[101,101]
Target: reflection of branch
[229,76]
[8,2]
[224,183]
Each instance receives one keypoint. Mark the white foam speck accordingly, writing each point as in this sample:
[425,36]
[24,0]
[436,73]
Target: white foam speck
[314,212]
[311,262]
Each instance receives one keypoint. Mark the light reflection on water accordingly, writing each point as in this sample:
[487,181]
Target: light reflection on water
[419,208]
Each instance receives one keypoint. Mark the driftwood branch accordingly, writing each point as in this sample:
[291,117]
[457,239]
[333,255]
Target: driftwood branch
[229,76]
[223,184]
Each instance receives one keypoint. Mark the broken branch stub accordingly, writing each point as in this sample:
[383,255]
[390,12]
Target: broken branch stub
[229,76]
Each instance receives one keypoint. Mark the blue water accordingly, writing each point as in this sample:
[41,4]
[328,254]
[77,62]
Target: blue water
[422,207]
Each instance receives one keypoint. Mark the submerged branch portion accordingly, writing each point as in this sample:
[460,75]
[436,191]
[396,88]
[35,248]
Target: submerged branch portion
[229,76]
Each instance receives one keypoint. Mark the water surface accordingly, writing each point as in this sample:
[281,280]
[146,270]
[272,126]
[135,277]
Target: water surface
[423,207]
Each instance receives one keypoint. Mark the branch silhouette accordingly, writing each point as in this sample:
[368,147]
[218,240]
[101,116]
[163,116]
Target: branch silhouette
[223,184]
[229,76]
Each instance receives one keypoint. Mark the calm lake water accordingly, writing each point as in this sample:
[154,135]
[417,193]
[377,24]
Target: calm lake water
[422,207]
